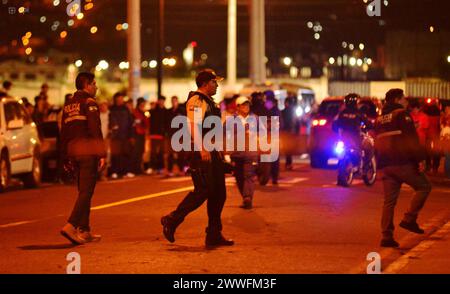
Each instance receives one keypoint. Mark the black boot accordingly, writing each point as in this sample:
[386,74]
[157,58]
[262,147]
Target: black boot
[169,226]
[214,238]
[412,227]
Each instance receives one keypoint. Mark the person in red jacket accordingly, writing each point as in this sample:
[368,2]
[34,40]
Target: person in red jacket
[141,125]
[431,134]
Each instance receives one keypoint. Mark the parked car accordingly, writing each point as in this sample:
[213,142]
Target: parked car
[323,140]
[19,145]
[49,137]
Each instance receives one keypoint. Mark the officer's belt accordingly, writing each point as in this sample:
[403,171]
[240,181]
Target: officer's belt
[388,134]
[75,117]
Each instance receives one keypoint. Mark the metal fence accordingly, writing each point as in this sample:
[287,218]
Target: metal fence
[428,89]
[434,89]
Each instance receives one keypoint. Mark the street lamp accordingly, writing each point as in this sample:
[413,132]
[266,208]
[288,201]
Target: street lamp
[287,61]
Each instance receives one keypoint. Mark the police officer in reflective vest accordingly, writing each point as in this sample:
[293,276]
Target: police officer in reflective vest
[83,153]
[400,157]
[207,169]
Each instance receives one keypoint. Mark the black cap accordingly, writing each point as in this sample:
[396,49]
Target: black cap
[205,76]
[393,94]
[140,100]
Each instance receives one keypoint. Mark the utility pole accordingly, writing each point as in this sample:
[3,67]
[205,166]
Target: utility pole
[160,43]
[257,42]
[232,41]
[134,48]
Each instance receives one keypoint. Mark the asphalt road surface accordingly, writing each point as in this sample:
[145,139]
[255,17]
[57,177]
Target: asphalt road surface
[306,224]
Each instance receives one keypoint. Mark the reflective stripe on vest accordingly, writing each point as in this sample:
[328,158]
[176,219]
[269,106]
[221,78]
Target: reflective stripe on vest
[75,117]
[388,134]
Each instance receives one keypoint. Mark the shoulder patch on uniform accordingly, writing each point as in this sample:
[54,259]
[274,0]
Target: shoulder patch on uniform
[92,108]
[194,102]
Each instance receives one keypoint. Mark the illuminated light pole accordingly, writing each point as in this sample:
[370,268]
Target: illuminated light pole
[232,40]
[134,48]
[160,42]
[257,42]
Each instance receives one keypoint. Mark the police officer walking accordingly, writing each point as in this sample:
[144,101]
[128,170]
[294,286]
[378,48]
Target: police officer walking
[83,153]
[400,156]
[207,169]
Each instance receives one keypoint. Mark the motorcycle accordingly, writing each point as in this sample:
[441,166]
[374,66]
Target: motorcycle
[353,163]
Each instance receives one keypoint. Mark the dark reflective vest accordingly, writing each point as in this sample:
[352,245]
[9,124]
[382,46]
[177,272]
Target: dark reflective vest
[396,141]
[211,110]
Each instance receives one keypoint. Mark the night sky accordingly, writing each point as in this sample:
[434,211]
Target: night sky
[204,21]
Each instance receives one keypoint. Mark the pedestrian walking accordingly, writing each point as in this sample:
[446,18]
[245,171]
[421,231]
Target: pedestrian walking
[400,157]
[83,153]
[245,161]
[207,169]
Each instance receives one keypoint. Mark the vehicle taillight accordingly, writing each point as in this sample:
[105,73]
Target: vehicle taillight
[319,122]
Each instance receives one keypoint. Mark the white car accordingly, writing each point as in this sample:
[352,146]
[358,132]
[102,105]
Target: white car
[19,145]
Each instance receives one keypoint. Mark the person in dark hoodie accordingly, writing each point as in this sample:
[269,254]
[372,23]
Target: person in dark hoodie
[83,152]
[207,168]
[174,157]
[158,131]
[273,111]
[400,156]
[121,132]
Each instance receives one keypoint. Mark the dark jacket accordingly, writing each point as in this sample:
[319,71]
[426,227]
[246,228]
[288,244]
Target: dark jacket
[397,142]
[350,120]
[288,119]
[81,132]
[120,122]
[171,114]
[158,117]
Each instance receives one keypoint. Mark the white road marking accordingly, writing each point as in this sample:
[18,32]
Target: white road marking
[292,180]
[403,261]
[118,181]
[131,200]
[113,204]
[176,180]
[17,224]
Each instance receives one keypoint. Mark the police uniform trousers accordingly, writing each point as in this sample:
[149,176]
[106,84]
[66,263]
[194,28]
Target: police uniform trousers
[209,185]
[87,168]
[393,178]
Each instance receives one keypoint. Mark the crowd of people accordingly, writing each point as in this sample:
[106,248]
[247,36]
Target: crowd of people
[432,122]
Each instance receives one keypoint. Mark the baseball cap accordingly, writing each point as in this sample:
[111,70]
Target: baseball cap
[241,100]
[205,76]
